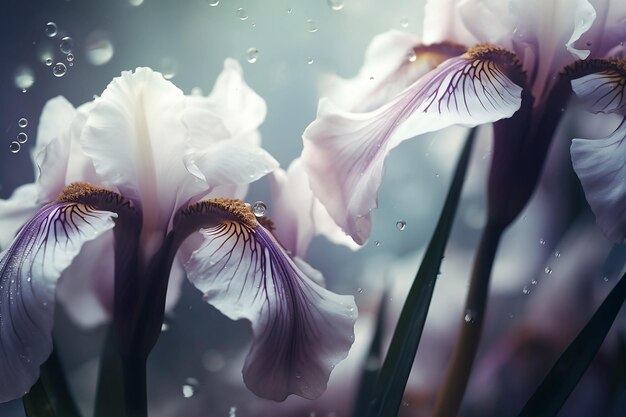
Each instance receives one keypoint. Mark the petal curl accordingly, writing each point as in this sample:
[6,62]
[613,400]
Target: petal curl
[29,270]
[601,167]
[301,330]
[604,91]
[344,152]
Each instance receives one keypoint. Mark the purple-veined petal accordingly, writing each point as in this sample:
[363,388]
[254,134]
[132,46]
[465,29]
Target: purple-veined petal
[604,91]
[344,152]
[301,214]
[29,270]
[301,330]
[393,61]
[601,168]
[15,211]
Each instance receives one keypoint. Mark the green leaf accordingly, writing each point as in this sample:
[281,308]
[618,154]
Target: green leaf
[570,367]
[394,374]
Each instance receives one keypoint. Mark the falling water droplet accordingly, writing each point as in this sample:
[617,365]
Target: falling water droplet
[15,147]
[48,62]
[168,68]
[400,225]
[253,54]
[404,22]
[311,26]
[24,78]
[359,290]
[59,69]
[51,29]
[335,4]
[67,45]
[309,60]
[98,48]
[22,137]
[259,208]
[23,122]
[190,387]
[242,14]
[70,57]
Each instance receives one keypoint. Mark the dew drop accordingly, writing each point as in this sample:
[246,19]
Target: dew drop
[605,278]
[359,290]
[335,4]
[309,60]
[24,78]
[135,3]
[190,387]
[404,22]
[48,62]
[534,282]
[259,208]
[377,243]
[67,45]
[51,29]
[400,225]
[15,147]
[542,241]
[469,317]
[242,14]
[164,327]
[253,54]
[22,122]
[589,43]
[70,57]
[59,69]
[214,3]
[557,254]
[98,48]
[411,56]
[168,68]
[311,26]
[547,270]
[526,290]
[22,137]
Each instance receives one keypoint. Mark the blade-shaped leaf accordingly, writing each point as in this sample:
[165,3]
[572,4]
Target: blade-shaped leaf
[574,361]
[394,374]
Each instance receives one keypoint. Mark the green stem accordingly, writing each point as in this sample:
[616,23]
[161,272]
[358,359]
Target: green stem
[451,395]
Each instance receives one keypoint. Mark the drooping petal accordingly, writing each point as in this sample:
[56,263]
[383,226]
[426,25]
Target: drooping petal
[606,36]
[604,91]
[29,270]
[601,167]
[344,152]
[393,61]
[15,211]
[301,215]
[301,330]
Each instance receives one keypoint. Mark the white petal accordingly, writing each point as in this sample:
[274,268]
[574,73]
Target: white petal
[232,162]
[15,211]
[301,330]
[602,91]
[135,136]
[599,164]
[584,16]
[344,152]
[29,270]
[442,22]
[56,116]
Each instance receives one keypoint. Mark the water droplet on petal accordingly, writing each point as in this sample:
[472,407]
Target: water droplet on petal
[253,54]
[165,327]
[168,68]
[547,270]
[98,48]
[311,26]
[51,29]
[15,147]
[135,3]
[534,282]
[22,122]
[309,60]
[411,56]
[214,3]
[24,78]
[22,137]
[190,387]
[542,241]
[259,208]
[67,45]
[400,225]
[335,4]
[404,22]
[526,290]
[241,14]
[470,317]
[605,278]
[59,69]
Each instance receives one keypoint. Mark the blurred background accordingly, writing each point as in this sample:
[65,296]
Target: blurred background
[549,277]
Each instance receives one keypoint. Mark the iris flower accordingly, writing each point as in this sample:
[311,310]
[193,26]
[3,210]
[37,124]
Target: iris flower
[479,61]
[124,182]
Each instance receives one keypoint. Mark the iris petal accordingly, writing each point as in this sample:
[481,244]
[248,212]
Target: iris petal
[344,152]
[301,330]
[29,270]
[603,91]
